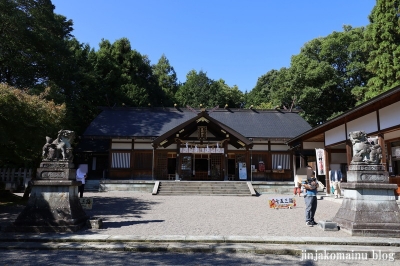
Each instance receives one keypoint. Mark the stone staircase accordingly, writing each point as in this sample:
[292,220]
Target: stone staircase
[92,185]
[204,188]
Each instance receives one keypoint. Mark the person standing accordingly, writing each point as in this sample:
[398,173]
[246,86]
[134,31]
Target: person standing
[81,176]
[310,198]
[297,185]
[336,179]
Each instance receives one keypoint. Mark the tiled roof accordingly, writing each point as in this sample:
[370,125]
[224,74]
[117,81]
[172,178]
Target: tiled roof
[93,145]
[153,122]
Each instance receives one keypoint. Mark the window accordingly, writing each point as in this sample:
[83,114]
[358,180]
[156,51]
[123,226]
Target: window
[120,160]
[280,161]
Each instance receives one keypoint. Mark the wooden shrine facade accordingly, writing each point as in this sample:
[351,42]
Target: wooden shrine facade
[224,145]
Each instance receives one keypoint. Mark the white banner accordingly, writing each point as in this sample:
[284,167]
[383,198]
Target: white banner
[320,155]
[201,150]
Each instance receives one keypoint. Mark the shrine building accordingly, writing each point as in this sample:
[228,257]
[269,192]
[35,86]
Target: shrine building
[175,143]
[379,118]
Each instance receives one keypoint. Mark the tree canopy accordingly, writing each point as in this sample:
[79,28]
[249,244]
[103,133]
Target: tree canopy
[40,57]
[320,79]
[32,43]
[25,122]
[382,39]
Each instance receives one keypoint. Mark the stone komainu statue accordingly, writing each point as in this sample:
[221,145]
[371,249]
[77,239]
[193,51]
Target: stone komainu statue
[365,149]
[60,148]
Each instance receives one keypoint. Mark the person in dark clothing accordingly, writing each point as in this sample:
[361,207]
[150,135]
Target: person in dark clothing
[310,198]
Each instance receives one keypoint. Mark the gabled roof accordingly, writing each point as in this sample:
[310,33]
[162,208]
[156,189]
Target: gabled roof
[217,128]
[154,122]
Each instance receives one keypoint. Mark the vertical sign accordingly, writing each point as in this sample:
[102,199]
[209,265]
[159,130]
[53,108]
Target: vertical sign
[320,155]
[242,171]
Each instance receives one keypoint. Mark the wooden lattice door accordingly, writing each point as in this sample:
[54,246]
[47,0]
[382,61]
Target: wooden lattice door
[216,167]
[186,167]
[161,171]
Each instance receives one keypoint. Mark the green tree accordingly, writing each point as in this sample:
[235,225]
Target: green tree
[382,36]
[234,97]
[201,90]
[25,121]
[261,96]
[167,79]
[82,81]
[32,43]
[126,76]
[322,77]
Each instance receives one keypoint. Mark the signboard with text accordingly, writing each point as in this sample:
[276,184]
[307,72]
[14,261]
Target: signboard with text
[201,150]
[277,203]
[86,203]
[242,171]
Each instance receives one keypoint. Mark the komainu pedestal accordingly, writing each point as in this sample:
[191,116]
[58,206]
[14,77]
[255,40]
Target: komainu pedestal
[369,207]
[53,205]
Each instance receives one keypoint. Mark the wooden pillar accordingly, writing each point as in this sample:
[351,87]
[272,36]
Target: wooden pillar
[302,161]
[110,158]
[248,166]
[153,163]
[381,142]
[328,156]
[131,170]
[225,160]
[178,158]
[349,152]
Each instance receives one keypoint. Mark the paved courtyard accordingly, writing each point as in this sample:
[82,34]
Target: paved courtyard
[142,214]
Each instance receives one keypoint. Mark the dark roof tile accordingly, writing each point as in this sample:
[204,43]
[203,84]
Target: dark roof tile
[153,122]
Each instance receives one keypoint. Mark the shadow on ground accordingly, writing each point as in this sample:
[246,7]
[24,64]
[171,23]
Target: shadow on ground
[44,258]
[107,208]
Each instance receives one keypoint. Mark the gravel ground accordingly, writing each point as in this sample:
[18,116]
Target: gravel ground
[142,214]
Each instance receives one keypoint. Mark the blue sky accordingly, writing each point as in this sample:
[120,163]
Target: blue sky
[234,40]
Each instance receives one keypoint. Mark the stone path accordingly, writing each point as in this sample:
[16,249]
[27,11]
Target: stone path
[142,214]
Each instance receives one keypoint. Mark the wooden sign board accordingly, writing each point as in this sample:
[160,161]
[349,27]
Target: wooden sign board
[282,203]
[86,203]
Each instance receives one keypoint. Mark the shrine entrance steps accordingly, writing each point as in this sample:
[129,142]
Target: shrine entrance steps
[205,188]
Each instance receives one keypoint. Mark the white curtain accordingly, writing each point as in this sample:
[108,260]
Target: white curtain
[121,160]
[282,160]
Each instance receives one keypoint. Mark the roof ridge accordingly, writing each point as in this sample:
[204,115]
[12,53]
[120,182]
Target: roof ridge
[184,109]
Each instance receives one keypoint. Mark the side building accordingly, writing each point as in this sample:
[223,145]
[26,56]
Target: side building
[378,117]
[192,144]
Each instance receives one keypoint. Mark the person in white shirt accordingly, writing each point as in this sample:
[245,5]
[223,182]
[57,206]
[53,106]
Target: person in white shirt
[336,179]
[297,186]
[81,176]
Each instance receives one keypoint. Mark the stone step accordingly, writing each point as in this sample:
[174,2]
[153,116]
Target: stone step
[204,188]
[215,185]
[206,191]
[92,185]
[191,194]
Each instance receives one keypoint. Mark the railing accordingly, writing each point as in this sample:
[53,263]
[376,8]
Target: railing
[15,178]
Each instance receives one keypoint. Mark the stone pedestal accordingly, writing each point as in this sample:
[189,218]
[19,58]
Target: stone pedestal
[53,204]
[54,171]
[369,207]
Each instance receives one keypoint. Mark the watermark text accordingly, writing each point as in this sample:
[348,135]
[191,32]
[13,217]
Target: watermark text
[346,255]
